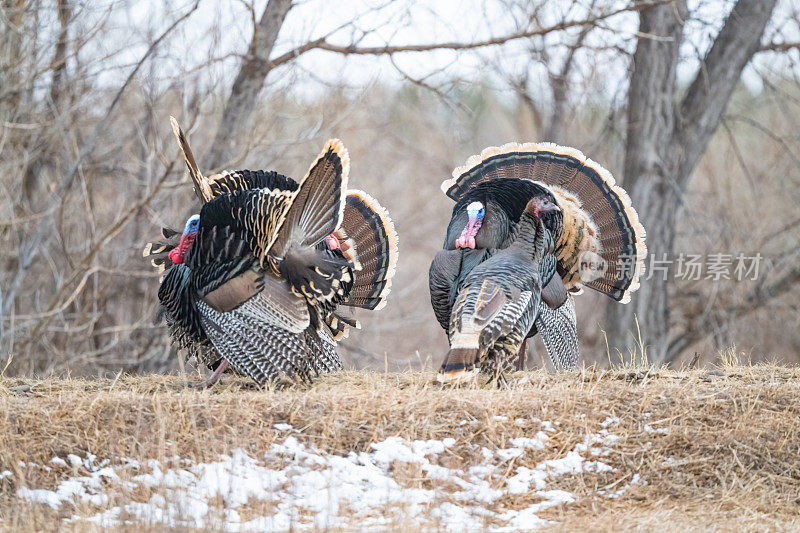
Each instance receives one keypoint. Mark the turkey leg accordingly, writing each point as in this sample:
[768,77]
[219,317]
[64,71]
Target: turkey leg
[214,377]
[521,355]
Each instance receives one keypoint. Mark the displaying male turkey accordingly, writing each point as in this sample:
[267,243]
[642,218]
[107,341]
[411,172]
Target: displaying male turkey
[255,280]
[599,242]
[499,299]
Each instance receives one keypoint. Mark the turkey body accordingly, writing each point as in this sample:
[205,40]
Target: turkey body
[594,221]
[260,285]
[497,304]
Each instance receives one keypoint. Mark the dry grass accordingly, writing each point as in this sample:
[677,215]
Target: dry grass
[732,446]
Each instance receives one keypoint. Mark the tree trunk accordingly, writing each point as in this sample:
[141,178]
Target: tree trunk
[649,170]
[237,116]
[665,141]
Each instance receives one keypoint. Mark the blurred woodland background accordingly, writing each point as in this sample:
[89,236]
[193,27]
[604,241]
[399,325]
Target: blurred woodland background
[693,105]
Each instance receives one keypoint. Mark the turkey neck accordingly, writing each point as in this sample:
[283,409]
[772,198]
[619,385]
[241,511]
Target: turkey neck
[529,236]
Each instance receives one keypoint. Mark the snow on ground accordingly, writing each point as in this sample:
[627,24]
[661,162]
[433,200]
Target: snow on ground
[296,486]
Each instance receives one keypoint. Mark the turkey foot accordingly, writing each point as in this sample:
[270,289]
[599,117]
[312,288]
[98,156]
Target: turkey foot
[213,378]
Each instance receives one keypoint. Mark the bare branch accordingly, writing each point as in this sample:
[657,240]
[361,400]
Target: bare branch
[31,248]
[323,44]
[705,101]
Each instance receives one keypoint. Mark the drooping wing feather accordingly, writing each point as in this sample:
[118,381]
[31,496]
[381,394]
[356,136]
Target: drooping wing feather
[253,345]
[322,346]
[447,271]
[559,332]
[554,294]
[267,299]
[442,277]
[488,303]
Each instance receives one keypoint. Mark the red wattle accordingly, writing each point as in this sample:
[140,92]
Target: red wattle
[467,238]
[179,252]
[176,256]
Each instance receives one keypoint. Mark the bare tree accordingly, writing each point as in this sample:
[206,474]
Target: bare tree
[237,115]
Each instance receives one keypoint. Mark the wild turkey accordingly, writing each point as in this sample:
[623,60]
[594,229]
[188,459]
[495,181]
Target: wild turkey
[599,242]
[499,298]
[256,278]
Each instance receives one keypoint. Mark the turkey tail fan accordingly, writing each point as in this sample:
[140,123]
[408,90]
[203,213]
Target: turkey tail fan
[369,240]
[598,216]
[317,207]
[201,187]
[158,252]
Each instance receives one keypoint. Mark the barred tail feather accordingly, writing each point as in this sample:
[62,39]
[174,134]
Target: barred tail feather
[201,187]
[458,366]
[598,212]
[370,241]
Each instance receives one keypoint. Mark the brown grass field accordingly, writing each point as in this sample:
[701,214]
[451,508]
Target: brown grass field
[709,450]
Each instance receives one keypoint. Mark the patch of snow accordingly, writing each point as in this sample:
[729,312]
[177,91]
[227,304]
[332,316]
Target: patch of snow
[304,488]
[507,454]
[610,420]
[537,442]
[5,474]
[672,462]
[661,431]
[283,427]
[58,461]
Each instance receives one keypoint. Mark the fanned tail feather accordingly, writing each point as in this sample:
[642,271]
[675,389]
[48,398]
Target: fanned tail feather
[316,208]
[201,187]
[598,216]
[369,240]
[458,365]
